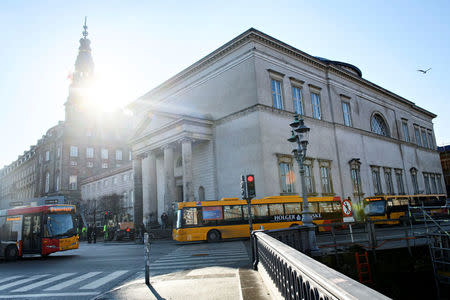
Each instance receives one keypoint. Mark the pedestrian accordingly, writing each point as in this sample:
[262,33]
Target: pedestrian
[89,233]
[164,219]
[83,233]
[105,232]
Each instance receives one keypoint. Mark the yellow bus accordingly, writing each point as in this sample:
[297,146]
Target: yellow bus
[393,209]
[228,218]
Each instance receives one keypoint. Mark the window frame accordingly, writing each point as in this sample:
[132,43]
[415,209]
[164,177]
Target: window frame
[316,107]
[345,103]
[417,136]
[405,131]
[376,180]
[389,181]
[290,176]
[73,151]
[308,164]
[90,152]
[327,185]
[119,154]
[277,97]
[297,100]
[355,165]
[380,120]
[400,182]
[414,180]
[104,153]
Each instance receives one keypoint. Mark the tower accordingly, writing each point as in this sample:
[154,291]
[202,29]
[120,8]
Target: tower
[82,79]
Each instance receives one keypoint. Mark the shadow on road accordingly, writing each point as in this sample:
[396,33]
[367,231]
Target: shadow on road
[155,293]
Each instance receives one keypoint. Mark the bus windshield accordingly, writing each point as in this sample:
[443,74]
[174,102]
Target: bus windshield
[374,208]
[60,225]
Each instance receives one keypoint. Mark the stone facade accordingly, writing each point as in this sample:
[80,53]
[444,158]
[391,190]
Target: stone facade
[118,182]
[87,143]
[444,153]
[229,114]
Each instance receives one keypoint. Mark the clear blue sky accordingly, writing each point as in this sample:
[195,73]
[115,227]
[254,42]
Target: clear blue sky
[138,44]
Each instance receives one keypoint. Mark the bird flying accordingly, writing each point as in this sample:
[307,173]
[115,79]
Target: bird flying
[424,71]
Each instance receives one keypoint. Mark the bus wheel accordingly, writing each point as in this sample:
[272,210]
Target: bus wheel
[11,253]
[213,236]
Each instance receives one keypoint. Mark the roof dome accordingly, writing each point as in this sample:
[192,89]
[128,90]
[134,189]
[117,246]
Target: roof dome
[342,65]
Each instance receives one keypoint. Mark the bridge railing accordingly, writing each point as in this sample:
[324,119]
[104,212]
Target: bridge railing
[298,276]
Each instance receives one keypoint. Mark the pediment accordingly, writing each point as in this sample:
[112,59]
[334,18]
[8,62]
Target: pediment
[152,121]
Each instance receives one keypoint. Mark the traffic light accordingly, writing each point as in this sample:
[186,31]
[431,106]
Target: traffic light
[243,187]
[250,179]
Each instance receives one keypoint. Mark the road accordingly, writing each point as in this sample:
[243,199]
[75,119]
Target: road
[94,269]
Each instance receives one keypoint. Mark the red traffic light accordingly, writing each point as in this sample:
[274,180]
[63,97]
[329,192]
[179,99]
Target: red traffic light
[250,178]
[106,213]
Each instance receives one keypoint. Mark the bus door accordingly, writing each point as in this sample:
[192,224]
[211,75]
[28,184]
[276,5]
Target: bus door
[31,234]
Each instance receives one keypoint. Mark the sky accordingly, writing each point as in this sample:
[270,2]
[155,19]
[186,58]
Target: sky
[136,45]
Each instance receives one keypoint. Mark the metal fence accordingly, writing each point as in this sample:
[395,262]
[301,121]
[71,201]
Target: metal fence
[298,276]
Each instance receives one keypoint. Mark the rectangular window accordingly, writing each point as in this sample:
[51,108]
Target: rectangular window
[424,138]
[376,181]
[439,184]
[297,98]
[309,180]
[47,155]
[125,177]
[389,183]
[417,135]
[286,175]
[316,106]
[355,167]
[114,180]
[433,184]
[277,95]
[58,152]
[90,164]
[73,163]
[89,152]
[426,180]
[118,154]
[104,165]
[324,176]
[129,155]
[400,184]
[73,182]
[73,151]
[232,213]
[405,131]
[104,153]
[347,114]
[430,140]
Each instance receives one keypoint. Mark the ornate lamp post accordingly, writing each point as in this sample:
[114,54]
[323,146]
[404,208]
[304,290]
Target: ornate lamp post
[299,137]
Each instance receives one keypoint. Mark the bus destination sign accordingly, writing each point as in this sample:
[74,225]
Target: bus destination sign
[61,209]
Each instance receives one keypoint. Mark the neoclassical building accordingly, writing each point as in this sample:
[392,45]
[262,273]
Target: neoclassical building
[228,114]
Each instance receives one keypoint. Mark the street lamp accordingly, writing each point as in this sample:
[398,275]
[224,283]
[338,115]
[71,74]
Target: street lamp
[299,137]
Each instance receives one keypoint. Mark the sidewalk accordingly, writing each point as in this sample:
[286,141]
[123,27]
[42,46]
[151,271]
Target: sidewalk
[206,283]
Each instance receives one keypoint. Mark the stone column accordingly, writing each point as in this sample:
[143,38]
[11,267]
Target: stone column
[137,170]
[186,154]
[169,178]
[149,190]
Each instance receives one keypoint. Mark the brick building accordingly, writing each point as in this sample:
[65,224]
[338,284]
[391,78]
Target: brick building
[87,143]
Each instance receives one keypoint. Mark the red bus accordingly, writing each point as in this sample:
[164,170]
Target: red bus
[37,230]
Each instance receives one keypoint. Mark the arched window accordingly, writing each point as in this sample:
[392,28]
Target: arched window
[378,125]
[47,182]
[201,193]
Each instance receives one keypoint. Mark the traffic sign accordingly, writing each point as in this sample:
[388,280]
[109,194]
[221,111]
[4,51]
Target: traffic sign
[346,208]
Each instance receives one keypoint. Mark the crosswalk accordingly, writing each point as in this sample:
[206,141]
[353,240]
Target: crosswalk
[57,285]
[195,256]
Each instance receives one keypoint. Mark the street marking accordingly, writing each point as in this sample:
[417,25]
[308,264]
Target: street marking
[210,259]
[9,278]
[71,282]
[194,266]
[48,295]
[41,283]
[104,280]
[6,286]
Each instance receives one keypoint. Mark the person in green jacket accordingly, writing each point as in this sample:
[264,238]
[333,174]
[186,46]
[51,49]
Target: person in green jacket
[83,233]
[105,232]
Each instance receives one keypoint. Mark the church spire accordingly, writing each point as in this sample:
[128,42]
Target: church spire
[81,78]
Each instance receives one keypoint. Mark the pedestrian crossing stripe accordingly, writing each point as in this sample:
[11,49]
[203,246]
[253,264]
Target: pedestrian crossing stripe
[16,283]
[73,281]
[44,282]
[99,282]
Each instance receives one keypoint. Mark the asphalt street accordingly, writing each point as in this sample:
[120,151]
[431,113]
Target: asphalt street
[94,269]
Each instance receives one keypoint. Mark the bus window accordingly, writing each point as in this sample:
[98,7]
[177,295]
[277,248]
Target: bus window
[375,208]
[190,216]
[211,214]
[292,208]
[326,207]
[232,214]
[276,209]
[9,228]
[260,212]
[314,207]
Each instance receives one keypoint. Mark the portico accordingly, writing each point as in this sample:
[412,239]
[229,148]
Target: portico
[165,161]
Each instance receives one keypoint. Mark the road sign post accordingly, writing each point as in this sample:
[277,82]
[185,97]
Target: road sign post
[147,258]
